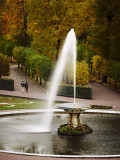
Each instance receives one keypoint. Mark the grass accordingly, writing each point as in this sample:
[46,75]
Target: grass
[8,103]
[101,107]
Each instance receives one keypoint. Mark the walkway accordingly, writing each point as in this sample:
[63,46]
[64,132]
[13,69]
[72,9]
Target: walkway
[101,95]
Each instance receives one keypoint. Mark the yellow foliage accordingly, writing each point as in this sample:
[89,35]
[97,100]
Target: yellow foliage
[97,62]
[82,73]
[54,19]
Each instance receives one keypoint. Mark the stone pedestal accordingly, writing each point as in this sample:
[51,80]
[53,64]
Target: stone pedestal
[74,126]
[74,119]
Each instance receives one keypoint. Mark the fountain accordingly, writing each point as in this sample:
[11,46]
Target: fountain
[17,137]
[67,58]
[74,126]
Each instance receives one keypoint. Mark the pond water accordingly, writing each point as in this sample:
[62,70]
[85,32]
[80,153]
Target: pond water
[105,139]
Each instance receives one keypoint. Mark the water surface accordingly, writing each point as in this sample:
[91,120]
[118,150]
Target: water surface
[17,134]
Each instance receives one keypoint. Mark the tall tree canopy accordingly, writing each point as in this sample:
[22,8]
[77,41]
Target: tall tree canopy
[51,20]
[15,15]
[2,20]
[106,33]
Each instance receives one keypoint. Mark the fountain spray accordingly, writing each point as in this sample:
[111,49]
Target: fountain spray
[68,52]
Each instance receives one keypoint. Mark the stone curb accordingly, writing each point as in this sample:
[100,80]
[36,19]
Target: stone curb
[62,156]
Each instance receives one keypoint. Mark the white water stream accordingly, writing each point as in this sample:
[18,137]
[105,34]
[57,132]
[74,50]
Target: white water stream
[67,55]
[66,62]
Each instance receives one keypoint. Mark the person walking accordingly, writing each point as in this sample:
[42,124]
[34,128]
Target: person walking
[23,86]
[26,86]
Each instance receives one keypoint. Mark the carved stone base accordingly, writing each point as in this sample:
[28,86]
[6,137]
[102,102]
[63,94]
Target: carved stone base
[74,119]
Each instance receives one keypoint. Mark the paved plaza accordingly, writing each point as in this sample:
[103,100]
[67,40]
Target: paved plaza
[101,95]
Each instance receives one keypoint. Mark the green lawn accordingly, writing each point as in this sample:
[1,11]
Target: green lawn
[7,103]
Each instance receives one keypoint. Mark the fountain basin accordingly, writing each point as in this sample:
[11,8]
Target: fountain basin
[104,141]
[73,108]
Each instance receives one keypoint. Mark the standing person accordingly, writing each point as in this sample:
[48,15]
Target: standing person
[26,86]
[23,86]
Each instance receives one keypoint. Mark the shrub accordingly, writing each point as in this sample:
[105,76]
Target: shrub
[45,66]
[34,61]
[82,73]
[116,71]
[2,45]
[97,62]
[17,54]
[28,54]
[8,48]
[4,65]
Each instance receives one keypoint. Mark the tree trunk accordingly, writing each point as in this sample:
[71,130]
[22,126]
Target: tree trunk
[11,59]
[67,79]
[28,71]
[25,26]
[94,73]
[37,79]
[109,81]
[22,67]
[45,84]
[18,65]
[40,81]
[32,75]
[58,46]
[115,84]
[99,75]
[104,79]
[25,70]
[91,68]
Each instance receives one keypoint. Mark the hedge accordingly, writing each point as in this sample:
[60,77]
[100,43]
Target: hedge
[6,84]
[81,92]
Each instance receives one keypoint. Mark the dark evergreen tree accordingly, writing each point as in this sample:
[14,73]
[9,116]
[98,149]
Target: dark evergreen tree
[105,36]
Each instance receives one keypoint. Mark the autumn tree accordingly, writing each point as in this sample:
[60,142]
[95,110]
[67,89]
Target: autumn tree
[16,22]
[4,65]
[105,35]
[17,55]
[34,64]
[45,68]
[82,73]
[50,22]
[2,20]
[8,49]
[97,63]
[116,73]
